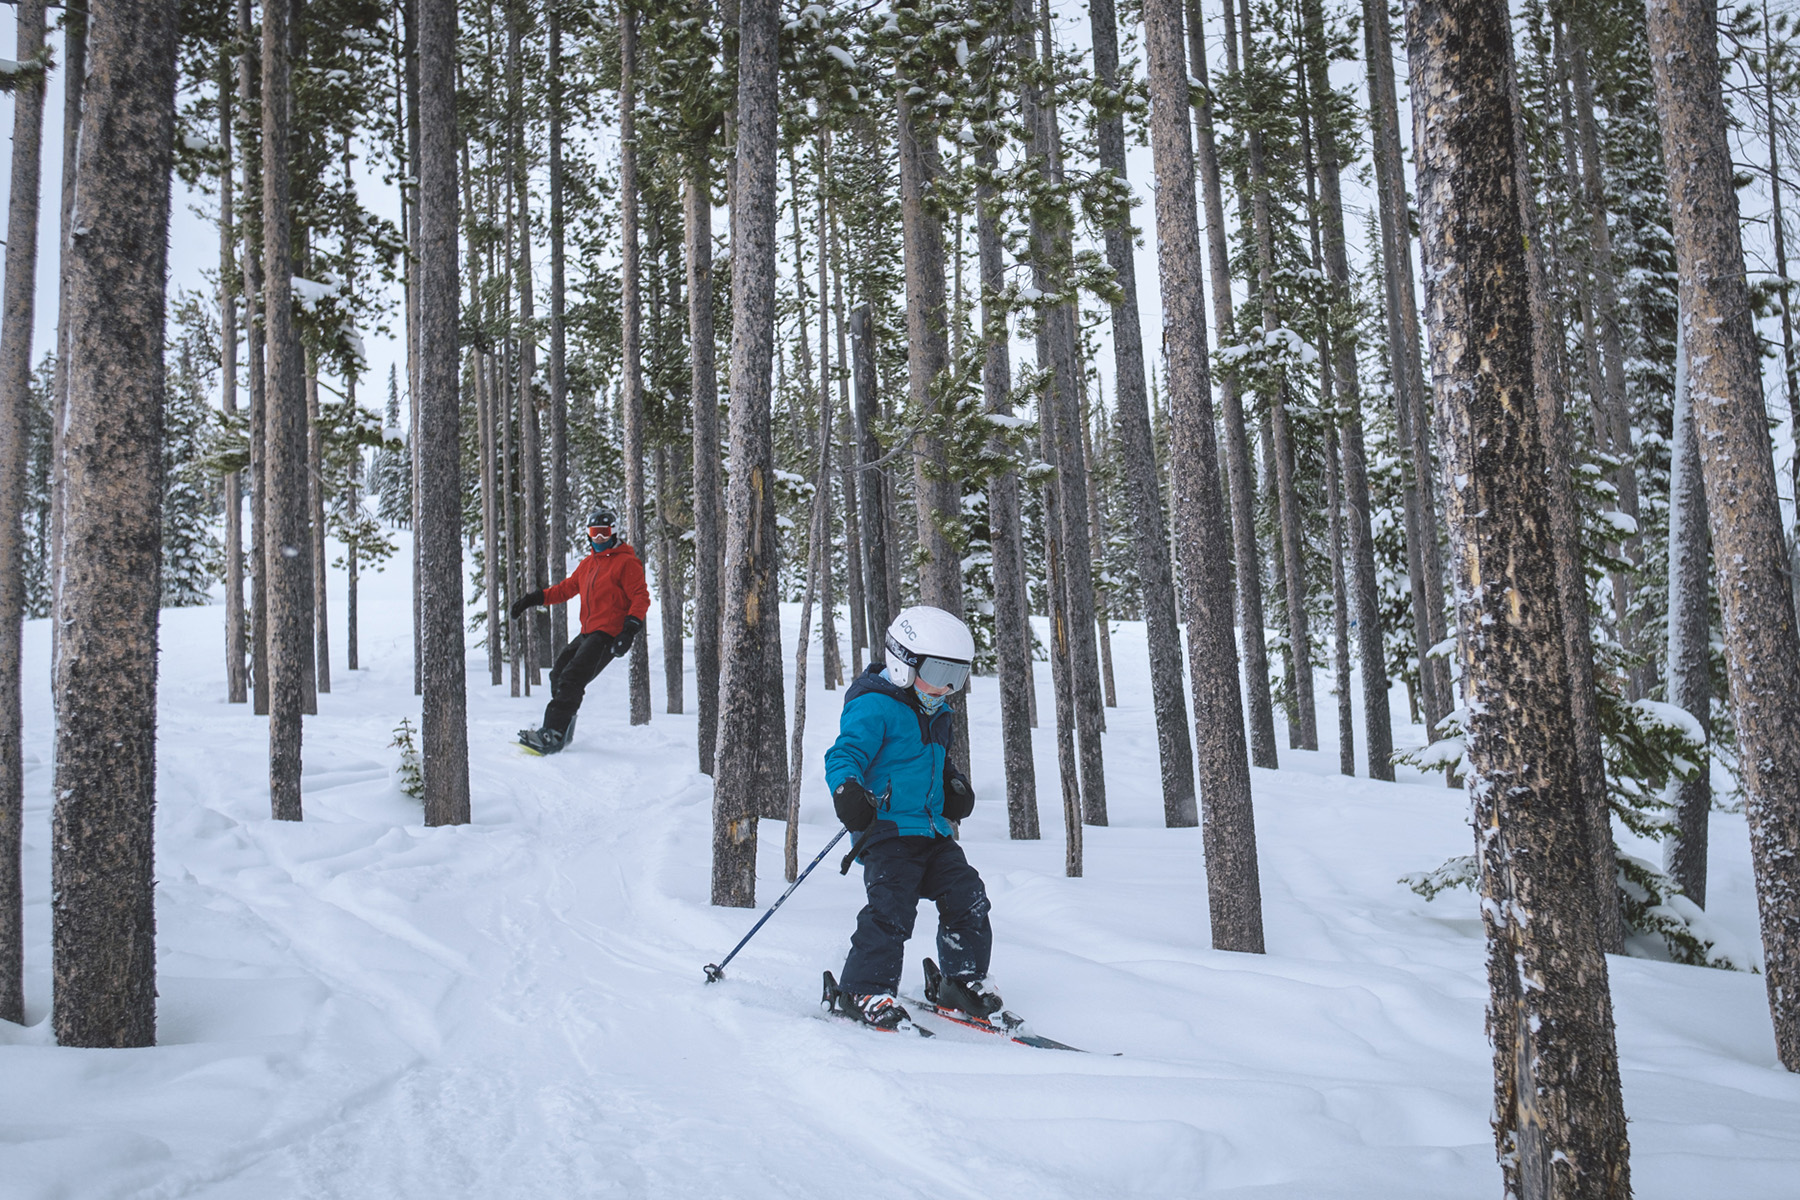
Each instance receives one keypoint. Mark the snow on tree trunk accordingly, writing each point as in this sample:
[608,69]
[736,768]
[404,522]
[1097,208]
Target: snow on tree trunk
[751,768]
[1559,1123]
[1690,638]
[15,404]
[103,913]
[1227,819]
[1762,654]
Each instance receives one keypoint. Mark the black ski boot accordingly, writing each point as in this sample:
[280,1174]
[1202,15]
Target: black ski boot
[976,997]
[542,741]
[879,1011]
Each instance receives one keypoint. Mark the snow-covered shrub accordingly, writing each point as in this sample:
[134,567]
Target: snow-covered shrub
[408,775]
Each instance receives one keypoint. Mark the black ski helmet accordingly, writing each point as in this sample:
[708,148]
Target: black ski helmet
[603,517]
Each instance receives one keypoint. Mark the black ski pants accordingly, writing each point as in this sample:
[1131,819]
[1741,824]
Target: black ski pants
[580,661]
[898,872]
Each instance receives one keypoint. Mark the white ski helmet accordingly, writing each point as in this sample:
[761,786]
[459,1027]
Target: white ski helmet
[931,644]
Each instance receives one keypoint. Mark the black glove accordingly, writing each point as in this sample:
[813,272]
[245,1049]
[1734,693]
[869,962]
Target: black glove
[622,644]
[524,602]
[959,797]
[855,807]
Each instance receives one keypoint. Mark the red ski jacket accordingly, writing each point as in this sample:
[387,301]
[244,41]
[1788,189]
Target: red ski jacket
[611,585]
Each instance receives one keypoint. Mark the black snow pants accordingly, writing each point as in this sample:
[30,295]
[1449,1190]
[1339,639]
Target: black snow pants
[898,872]
[580,661]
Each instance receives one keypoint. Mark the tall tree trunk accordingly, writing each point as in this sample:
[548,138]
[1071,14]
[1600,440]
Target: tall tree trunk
[1690,638]
[75,23]
[1096,520]
[103,912]
[255,342]
[1377,721]
[445,725]
[884,602]
[1012,629]
[1762,654]
[1227,819]
[830,657]
[409,224]
[1156,580]
[861,642]
[531,452]
[751,759]
[697,223]
[315,497]
[1303,727]
[558,550]
[1239,474]
[1060,416]
[236,680]
[668,580]
[287,539]
[1340,608]
[1559,1122]
[15,403]
[631,325]
[1424,558]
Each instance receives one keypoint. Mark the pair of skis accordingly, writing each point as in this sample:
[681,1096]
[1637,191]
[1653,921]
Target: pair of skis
[1008,1025]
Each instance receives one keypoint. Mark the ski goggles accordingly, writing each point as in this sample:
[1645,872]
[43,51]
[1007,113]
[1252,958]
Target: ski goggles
[936,672]
[599,532]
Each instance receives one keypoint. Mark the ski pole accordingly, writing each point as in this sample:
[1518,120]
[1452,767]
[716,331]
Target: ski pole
[716,971]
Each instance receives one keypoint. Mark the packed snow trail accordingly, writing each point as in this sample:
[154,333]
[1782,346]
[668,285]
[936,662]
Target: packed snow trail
[357,1006]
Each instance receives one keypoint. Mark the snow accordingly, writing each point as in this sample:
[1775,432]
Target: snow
[1655,713]
[357,1006]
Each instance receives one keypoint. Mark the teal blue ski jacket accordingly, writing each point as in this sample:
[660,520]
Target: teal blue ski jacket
[896,751]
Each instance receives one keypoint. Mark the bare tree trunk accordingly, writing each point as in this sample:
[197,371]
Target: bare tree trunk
[1097,538]
[1240,475]
[697,222]
[236,678]
[287,539]
[1559,1123]
[531,452]
[1227,819]
[445,727]
[1155,577]
[818,562]
[884,604]
[1012,631]
[103,912]
[255,341]
[558,549]
[631,322]
[668,579]
[1340,609]
[830,659]
[75,23]
[315,496]
[751,756]
[15,403]
[410,226]
[1690,638]
[1762,654]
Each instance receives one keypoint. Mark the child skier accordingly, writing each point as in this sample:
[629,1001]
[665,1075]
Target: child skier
[893,786]
[614,602]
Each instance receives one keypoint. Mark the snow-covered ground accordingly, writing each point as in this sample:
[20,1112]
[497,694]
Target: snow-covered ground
[357,1006]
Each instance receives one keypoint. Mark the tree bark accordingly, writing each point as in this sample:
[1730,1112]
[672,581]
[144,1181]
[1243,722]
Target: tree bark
[884,602]
[444,729]
[668,580]
[236,675]
[697,223]
[1340,608]
[15,403]
[1155,576]
[631,324]
[75,23]
[315,499]
[103,914]
[255,341]
[536,625]
[558,549]
[1762,654]
[1559,1122]
[830,658]
[1690,638]
[751,759]
[861,643]
[1239,474]
[1227,819]
[287,539]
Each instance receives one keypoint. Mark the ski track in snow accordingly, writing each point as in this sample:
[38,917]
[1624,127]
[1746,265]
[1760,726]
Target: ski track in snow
[356,1006]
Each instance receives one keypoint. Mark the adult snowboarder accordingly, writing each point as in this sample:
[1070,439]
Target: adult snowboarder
[893,785]
[614,602]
